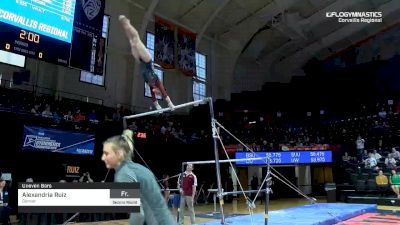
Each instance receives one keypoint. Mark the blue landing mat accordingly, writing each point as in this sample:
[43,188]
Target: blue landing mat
[321,214]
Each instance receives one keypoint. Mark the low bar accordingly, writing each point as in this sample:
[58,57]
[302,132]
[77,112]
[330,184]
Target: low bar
[240,192]
[223,161]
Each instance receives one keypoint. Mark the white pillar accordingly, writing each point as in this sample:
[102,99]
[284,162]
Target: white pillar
[303,174]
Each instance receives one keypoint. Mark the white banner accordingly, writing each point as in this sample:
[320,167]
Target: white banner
[74,197]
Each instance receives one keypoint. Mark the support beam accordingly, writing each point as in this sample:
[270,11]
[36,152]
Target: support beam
[191,8]
[137,5]
[210,19]
[147,16]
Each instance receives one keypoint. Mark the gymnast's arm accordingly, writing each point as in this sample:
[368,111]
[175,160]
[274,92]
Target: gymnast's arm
[157,203]
[128,176]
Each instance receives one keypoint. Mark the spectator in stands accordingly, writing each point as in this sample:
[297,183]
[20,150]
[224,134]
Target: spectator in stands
[86,178]
[133,127]
[395,154]
[69,117]
[79,117]
[117,154]
[377,125]
[165,183]
[264,145]
[370,162]
[380,142]
[360,147]
[382,113]
[254,147]
[376,169]
[346,157]
[35,110]
[390,162]
[163,129]
[92,117]
[376,155]
[348,160]
[47,112]
[117,115]
[187,184]
[364,156]
[395,183]
[57,116]
[140,53]
[5,210]
[381,181]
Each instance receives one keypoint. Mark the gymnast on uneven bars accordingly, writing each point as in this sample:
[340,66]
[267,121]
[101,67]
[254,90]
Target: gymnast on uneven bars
[140,53]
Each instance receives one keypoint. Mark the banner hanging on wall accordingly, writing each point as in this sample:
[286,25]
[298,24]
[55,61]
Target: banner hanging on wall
[55,140]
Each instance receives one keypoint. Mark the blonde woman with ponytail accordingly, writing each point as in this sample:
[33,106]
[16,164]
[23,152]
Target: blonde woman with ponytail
[117,155]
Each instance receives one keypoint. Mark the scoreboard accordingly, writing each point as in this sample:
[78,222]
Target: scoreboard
[63,32]
[292,157]
[39,29]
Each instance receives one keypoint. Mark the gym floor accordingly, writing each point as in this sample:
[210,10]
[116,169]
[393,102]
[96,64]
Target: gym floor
[204,212]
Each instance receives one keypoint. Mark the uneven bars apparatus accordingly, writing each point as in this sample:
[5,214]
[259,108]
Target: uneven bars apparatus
[211,107]
[221,194]
[215,146]
[217,162]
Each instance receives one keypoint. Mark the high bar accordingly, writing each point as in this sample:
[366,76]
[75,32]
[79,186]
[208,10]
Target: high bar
[167,109]
[224,161]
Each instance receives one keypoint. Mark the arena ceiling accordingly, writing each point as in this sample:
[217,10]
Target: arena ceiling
[281,35]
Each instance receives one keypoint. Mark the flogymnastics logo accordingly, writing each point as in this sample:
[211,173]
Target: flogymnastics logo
[356,17]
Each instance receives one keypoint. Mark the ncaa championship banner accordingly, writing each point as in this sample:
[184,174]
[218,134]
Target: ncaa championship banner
[54,140]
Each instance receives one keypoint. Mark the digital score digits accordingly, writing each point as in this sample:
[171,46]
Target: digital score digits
[284,158]
[32,37]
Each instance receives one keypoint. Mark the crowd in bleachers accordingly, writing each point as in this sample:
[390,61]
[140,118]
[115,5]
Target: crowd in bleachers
[53,111]
[371,160]
[368,138]
[57,111]
[378,124]
[82,116]
[378,128]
